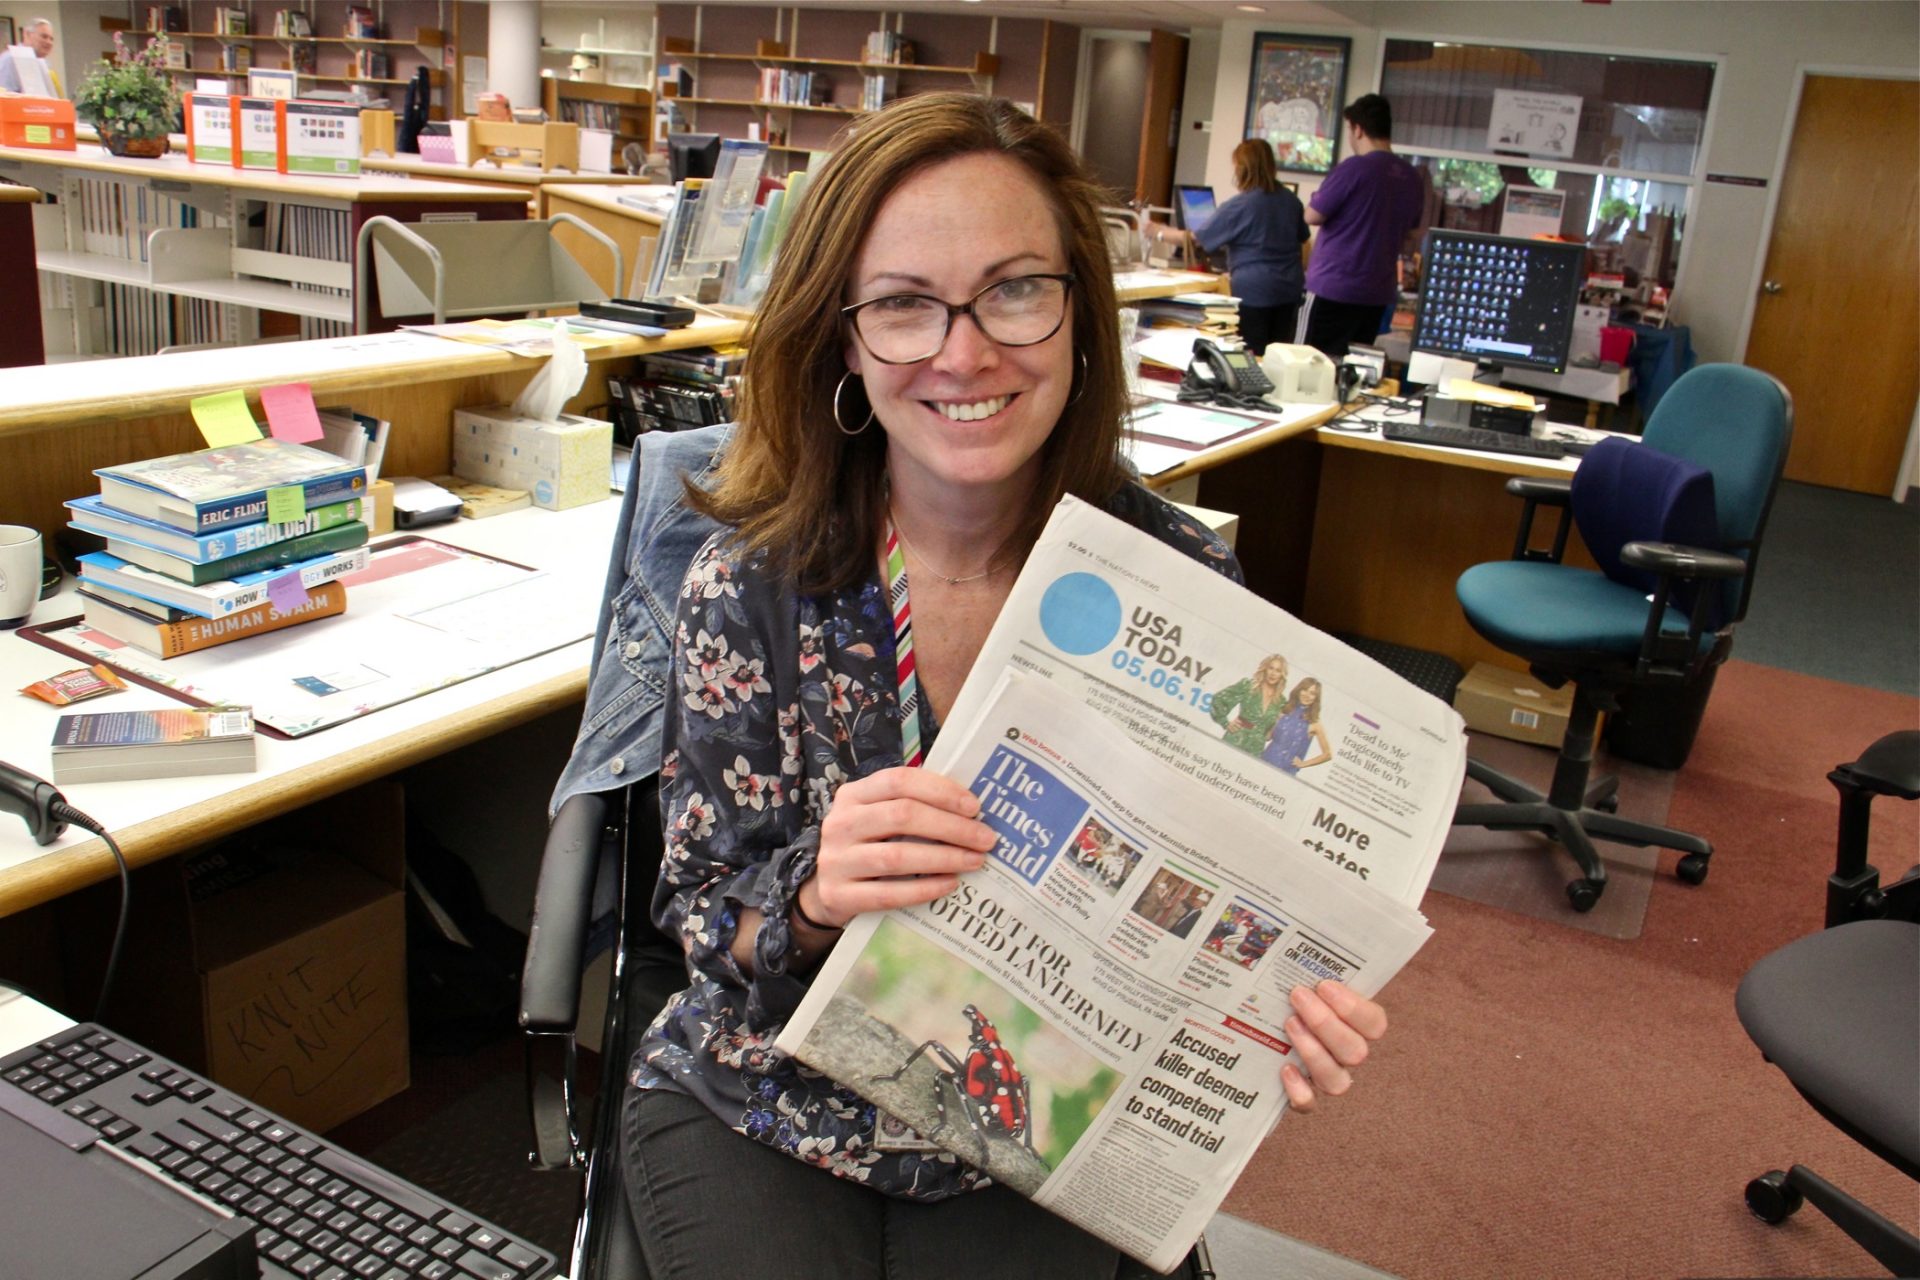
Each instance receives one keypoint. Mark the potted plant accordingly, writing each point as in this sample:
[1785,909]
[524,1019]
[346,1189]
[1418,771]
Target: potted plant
[131,100]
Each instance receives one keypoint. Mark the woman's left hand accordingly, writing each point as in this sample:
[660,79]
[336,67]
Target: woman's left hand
[1332,1029]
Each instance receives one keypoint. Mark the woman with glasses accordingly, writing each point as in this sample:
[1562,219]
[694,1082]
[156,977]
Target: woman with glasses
[935,364]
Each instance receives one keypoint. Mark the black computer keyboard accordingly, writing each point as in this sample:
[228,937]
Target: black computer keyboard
[1476,438]
[322,1214]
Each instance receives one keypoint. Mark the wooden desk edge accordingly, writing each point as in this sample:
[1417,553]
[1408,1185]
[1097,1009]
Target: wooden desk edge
[1505,464]
[62,871]
[1207,459]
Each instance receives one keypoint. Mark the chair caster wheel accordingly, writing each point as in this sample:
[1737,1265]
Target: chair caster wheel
[1611,804]
[1582,894]
[1692,868]
[1771,1199]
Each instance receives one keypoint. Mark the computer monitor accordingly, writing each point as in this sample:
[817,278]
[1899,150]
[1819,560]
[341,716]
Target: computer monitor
[1192,206]
[692,155]
[1498,301]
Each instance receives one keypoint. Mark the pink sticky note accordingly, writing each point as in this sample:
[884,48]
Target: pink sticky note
[286,592]
[290,413]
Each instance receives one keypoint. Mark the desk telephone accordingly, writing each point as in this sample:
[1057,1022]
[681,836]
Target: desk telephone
[1231,378]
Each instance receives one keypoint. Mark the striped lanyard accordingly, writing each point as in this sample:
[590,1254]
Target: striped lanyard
[911,753]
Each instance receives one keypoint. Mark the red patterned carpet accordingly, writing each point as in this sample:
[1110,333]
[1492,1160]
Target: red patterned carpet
[1556,1103]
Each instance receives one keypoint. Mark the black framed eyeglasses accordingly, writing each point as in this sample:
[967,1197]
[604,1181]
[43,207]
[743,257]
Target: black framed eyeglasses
[906,328]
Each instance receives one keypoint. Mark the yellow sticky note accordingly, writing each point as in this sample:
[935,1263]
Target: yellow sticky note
[224,419]
[285,503]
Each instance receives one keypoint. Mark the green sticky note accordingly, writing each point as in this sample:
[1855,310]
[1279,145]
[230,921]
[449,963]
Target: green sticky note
[285,503]
[224,419]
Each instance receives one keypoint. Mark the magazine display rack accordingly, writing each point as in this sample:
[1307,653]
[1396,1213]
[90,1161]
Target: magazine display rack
[460,270]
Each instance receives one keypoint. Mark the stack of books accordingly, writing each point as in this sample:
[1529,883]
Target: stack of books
[1214,314]
[674,390]
[192,559]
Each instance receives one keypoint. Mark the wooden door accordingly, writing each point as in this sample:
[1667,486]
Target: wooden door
[1160,120]
[1838,318]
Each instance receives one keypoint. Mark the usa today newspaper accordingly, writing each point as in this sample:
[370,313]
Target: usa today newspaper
[1096,1017]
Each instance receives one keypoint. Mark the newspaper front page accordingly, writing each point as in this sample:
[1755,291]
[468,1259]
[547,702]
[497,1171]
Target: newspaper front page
[1096,1017]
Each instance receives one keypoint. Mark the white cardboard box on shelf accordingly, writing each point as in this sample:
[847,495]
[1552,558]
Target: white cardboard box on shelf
[562,464]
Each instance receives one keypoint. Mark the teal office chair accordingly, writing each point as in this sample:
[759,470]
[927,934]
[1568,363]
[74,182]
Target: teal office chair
[1675,524]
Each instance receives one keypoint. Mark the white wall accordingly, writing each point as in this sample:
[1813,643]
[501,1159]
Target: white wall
[1763,44]
[78,41]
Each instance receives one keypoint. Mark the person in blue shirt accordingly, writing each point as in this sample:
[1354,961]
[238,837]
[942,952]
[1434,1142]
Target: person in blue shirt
[1261,231]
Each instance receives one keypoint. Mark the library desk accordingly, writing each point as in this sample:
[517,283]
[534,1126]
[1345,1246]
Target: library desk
[599,207]
[235,240]
[533,180]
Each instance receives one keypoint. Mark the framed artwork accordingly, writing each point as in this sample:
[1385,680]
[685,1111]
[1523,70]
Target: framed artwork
[1295,93]
[7,35]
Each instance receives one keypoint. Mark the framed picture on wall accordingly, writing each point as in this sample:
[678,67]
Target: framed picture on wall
[1295,92]
[7,34]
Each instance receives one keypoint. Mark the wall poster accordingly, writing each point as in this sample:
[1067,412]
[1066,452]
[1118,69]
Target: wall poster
[1295,93]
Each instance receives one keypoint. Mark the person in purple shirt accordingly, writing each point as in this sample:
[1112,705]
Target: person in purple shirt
[1364,210]
[1260,230]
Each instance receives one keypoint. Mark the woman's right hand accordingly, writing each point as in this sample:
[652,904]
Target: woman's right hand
[892,839]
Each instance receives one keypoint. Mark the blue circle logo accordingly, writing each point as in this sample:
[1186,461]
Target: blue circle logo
[1080,613]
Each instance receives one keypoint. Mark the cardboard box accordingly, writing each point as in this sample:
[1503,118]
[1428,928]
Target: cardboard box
[1512,704]
[275,962]
[379,506]
[562,464]
[45,124]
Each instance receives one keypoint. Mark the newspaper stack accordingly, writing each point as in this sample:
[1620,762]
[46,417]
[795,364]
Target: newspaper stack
[1097,1017]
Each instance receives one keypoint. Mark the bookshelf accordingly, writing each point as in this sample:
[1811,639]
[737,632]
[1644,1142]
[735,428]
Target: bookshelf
[626,110]
[138,255]
[329,56]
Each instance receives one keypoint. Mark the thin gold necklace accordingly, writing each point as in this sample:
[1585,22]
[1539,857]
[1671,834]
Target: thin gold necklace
[947,578]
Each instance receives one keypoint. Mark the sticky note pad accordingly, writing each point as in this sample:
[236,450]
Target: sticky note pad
[224,419]
[286,592]
[290,413]
[286,503]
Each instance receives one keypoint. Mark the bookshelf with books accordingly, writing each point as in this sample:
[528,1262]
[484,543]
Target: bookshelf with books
[795,78]
[624,110]
[329,43]
[140,255]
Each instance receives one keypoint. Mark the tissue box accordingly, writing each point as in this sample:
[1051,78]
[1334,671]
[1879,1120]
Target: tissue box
[562,464]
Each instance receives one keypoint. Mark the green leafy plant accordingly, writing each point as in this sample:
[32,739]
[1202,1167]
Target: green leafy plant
[130,94]
[1614,207]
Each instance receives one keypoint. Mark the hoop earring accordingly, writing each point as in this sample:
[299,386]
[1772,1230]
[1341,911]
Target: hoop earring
[838,421]
[1081,390]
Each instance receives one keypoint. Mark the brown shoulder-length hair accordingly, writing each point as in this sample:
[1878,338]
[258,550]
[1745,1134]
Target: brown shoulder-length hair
[792,483]
[1253,166]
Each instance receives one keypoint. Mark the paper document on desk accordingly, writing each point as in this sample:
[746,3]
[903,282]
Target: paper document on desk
[1487,393]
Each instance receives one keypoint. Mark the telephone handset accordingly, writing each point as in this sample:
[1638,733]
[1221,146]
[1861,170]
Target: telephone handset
[1229,377]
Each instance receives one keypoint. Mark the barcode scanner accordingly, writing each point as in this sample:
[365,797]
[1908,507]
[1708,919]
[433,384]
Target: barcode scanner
[36,800]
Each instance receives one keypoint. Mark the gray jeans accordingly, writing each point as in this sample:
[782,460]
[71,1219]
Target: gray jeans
[707,1201]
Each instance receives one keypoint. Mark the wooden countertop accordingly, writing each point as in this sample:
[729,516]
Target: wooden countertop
[513,174]
[174,166]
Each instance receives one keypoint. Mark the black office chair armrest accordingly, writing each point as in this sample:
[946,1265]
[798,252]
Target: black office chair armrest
[1663,654]
[1542,491]
[1670,559]
[563,905]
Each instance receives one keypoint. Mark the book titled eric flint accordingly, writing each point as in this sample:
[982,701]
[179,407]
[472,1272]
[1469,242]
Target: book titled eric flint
[210,489]
[107,746]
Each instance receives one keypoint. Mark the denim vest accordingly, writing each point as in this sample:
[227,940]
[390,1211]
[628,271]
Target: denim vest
[658,534]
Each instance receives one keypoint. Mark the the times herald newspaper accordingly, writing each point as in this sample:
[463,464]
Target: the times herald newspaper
[1096,1018]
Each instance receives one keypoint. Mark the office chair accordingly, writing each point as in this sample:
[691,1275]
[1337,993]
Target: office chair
[614,837]
[1839,1013]
[1678,518]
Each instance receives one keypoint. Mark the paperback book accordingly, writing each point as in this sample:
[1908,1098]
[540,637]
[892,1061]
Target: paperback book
[171,639]
[276,555]
[211,489]
[106,746]
[93,515]
[214,599]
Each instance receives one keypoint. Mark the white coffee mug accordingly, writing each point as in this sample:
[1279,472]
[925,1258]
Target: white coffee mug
[19,574]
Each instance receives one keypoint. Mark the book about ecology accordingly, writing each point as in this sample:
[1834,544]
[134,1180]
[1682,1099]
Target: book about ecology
[170,639]
[93,515]
[214,599]
[211,489]
[1117,976]
[179,742]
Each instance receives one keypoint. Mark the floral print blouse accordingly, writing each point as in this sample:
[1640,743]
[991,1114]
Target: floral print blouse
[778,699]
